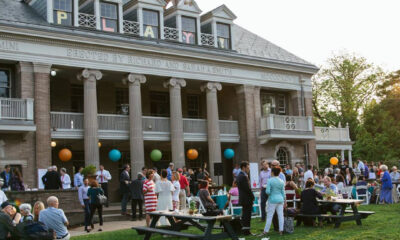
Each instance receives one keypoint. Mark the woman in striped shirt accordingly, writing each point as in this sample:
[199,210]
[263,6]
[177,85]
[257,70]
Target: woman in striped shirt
[150,197]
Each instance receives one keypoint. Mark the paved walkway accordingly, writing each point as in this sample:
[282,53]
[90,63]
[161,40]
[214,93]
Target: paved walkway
[107,227]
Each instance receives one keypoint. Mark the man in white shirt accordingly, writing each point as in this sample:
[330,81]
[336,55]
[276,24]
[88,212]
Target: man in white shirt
[360,165]
[103,176]
[308,174]
[78,178]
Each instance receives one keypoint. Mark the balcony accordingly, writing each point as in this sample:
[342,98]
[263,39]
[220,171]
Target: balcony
[330,139]
[16,115]
[116,127]
[286,127]
[87,20]
[171,34]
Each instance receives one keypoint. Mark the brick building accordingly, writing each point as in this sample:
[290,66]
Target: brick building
[138,75]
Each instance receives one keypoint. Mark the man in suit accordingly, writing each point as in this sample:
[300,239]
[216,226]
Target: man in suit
[52,179]
[6,176]
[246,196]
[124,181]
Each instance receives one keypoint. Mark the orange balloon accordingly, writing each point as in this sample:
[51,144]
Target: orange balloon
[192,154]
[65,155]
[334,160]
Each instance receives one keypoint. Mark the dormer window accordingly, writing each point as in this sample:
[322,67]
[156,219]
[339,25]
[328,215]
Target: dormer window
[62,12]
[189,30]
[151,23]
[109,17]
[224,35]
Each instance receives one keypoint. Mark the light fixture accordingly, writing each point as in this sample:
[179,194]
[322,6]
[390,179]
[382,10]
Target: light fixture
[53,144]
[99,144]
[53,73]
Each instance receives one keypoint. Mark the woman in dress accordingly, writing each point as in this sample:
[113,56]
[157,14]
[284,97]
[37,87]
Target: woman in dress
[276,200]
[309,200]
[16,181]
[164,190]
[386,188]
[150,197]
[175,193]
[290,185]
[296,176]
[65,179]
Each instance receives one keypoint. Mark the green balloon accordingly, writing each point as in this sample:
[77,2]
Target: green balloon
[156,155]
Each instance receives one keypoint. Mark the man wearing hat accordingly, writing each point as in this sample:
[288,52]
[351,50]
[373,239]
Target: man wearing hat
[8,220]
[136,188]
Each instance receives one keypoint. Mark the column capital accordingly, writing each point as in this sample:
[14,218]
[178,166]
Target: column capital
[134,79]
[41,68]
[91,75]
[175,83]
[211,87]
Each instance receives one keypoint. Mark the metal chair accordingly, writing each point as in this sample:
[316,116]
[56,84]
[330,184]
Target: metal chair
[257,203]
[364,196]
[232,207]
[291,192]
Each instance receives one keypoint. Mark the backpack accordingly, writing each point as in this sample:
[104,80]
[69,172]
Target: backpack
[288,226]
[34,231]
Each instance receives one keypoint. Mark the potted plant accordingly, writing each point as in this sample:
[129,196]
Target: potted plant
[192,207]
[90,173]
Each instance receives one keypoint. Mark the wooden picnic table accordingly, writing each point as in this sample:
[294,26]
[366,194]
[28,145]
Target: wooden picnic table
[180,221]
[352,215]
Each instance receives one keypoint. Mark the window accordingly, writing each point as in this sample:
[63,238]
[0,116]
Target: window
[159,104]
[109,17]
[76,98]
[193,105]
[189,30]
[223,35]
[272,103]
[62,12]
[5,83]
[151,24]
[283,156]
[122,100]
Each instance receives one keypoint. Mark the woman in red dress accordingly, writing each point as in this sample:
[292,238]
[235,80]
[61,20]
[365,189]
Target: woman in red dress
[150,197]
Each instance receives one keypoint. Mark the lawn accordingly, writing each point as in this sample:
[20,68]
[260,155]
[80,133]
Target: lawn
[384,224]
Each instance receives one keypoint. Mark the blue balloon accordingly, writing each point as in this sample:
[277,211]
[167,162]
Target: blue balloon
[114,155]
[229,153]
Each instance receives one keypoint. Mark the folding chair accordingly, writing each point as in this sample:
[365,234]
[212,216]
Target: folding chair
[202,209]
[257,204]
[233,207]
[364,196]
[291,192]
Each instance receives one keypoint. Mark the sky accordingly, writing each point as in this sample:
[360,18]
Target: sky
[316,29]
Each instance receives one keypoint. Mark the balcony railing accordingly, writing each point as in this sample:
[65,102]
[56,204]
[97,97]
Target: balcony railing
[87,20]
[332,134]
[16,109]
[171,34]
[131,27]
[118,123]
[207,39]
[286,123]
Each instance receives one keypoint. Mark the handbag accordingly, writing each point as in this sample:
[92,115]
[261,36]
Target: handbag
[101,199]
[288,226]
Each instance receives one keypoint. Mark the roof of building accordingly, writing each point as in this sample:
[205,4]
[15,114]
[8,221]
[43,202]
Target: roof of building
[245,42]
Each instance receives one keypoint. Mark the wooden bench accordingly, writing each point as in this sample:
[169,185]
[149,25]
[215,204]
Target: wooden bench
[143,230]
[364,214]
[300,216]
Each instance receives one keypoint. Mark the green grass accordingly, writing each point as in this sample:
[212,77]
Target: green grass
[384,224]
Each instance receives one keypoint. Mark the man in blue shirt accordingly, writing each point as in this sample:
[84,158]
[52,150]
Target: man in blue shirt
[78,178]
[55,219]
[169,171]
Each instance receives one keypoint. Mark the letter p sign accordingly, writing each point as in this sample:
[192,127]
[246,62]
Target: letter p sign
[61,16]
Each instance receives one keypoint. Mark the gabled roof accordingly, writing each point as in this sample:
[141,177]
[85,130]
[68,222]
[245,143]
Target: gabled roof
[15,11]
[188,5]
[248,43]
[220,12]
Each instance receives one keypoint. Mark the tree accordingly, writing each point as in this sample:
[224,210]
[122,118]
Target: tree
[378,135]
[343,88]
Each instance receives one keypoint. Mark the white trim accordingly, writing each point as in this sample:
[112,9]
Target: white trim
[17,128]
[50,11]
[333,147]
[4,162]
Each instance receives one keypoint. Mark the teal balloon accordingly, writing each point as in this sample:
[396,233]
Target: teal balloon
[229,153]
[114,155]
[156,155]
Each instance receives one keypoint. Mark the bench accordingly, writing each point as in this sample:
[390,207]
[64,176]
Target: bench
[364,214]
[143,230]
[300,216]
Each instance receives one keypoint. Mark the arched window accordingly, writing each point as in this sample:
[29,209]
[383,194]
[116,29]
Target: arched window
[283,156]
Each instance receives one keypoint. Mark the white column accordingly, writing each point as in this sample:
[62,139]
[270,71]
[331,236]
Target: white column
[50,7]
[140,19]
[161,24]
[89,78]
[342,158]
[121,18]
[177,142]
[215,32]
[198,31]
[76,13]
[179,26]
[97,13]
[214,142]
[135,122]
[350,159]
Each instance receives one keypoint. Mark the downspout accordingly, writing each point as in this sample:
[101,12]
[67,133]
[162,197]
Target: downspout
[303,113]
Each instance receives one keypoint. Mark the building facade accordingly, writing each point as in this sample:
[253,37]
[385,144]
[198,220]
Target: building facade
[138,75]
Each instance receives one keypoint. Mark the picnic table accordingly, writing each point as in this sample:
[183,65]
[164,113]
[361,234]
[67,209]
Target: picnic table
[344,215]
[181,221]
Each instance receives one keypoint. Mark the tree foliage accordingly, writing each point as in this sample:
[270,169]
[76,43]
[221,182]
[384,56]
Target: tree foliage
[343,88]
